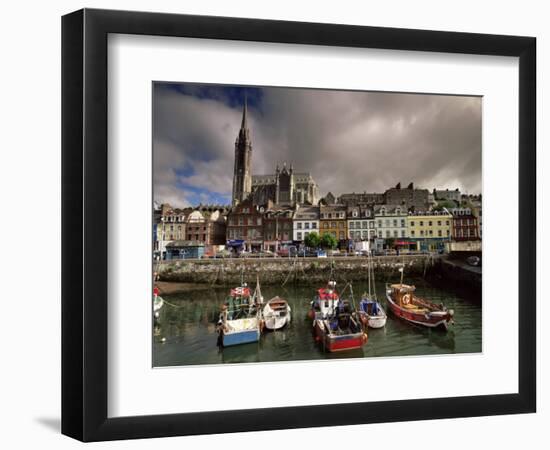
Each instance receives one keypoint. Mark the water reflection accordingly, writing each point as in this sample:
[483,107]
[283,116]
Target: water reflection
[185,331]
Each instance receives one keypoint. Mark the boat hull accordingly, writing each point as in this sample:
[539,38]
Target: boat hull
[276,323]
[240,337]
[376,321]
[434,319]
[337,343]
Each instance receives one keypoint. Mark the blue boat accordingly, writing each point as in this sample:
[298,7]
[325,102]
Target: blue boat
[239,321]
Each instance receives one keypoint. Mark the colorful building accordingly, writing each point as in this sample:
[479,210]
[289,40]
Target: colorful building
[391,221]
[430,230]
[305,221]
[361,223]
[332,220]
[245,224]
[465,227]
[278,226]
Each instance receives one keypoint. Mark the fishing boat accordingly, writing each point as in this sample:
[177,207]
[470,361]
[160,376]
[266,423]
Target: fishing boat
[371,312]
[325,302]
[239,321]
[335,322]
[342,331]
[276,313]
[405,304]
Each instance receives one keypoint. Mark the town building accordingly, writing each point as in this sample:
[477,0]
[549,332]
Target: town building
[283,187]
[278,227]
[208,227]
[332,220]
[361,223]
[169,224]
[464,225]
[410,197]
[365,198]
[446,194]
[245,226]
[430,230]
[305,221]
[390,223]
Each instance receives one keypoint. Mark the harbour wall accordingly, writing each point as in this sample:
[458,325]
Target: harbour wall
[224,272]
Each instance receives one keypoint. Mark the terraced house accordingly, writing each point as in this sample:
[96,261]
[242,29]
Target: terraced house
[361,223]
[430,230]
[306,220]
[391,221]
[332,220]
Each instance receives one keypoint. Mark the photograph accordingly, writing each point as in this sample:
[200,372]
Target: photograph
[294,224]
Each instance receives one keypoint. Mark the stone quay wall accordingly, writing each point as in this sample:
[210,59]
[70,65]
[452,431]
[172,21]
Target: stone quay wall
[223,272]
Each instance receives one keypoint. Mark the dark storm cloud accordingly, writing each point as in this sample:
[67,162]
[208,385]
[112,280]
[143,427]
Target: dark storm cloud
[349,141]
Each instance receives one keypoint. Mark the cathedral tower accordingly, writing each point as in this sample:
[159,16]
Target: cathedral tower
[242,174]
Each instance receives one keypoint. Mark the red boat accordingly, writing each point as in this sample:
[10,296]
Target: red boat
[335,324]
[341,331]
[406,305]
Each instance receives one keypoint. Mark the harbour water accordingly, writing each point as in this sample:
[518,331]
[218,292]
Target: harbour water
[185,331]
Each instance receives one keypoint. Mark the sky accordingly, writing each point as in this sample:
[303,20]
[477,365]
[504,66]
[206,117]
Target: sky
[350,141]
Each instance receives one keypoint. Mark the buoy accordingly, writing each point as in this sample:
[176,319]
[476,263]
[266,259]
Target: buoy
[163,340]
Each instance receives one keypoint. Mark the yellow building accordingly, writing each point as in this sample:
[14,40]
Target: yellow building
[430,230]
[333,221]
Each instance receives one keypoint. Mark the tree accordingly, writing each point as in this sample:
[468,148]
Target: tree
[312,240]
[328,241]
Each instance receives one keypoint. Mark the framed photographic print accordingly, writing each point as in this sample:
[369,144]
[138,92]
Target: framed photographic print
[274,225]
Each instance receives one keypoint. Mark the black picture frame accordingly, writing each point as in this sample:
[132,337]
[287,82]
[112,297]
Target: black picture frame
[84,224]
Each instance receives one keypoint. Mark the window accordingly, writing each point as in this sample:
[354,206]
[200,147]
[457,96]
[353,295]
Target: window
[306,225]
[325,225]
[259,221]
[394,222]
[430,223]
[379,224]
[240,220]
[412,233]
[364,225]
[299,226]
[352,225]
[421,223]
[299,235]
[447,223]
[380,234]
[333,224]
[439,233]
[421,232]
[341,235]
[412,223]
[314,225]
[354,213]
[394,233]
[387,222]
[403,233]
[342,224]
[333,233]
[387,233]
[305,234]
[439,223]
[403,223]
[431,232]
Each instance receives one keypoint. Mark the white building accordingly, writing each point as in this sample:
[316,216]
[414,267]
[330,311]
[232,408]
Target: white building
[361,223]
[390,221]
[305,220]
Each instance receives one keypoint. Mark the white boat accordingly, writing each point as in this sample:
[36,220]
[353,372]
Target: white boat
[371,312]
[276,313]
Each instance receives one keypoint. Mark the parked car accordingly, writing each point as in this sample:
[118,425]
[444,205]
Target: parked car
[473,260]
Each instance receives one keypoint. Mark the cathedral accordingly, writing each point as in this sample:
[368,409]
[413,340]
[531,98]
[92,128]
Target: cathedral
[284,187]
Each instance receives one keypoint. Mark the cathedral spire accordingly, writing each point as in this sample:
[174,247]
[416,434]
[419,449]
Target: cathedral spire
[244,124]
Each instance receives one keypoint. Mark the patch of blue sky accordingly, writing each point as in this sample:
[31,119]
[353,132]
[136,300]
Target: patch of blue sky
[232,96]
